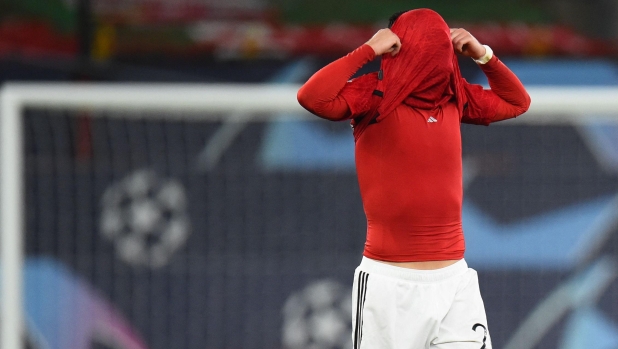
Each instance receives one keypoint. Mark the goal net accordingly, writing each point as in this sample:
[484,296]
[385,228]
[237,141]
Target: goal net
[225,216]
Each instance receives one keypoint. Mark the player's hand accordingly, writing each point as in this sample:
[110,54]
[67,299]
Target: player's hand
[385,41]
[466,44]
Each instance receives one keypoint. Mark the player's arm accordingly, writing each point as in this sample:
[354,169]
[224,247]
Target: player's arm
[320,94]
[514,100]
[507,94]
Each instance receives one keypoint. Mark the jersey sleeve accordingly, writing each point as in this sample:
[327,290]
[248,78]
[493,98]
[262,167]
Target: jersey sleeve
[507,98]
[321,93]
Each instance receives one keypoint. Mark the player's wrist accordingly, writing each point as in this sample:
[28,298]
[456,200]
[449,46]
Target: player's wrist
[373,48]
[369,50]
[489,53]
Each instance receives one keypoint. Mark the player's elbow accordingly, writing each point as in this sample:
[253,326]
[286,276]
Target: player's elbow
[308,101]
[527,102]
[524,104]
[316,106]
[304,99]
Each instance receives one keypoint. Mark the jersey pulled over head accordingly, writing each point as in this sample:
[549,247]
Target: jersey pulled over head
[424,74]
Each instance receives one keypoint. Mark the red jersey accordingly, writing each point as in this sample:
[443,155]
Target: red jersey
[409,170]
[409,162]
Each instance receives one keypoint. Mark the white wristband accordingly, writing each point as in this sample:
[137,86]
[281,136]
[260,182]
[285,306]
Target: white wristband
[489,53]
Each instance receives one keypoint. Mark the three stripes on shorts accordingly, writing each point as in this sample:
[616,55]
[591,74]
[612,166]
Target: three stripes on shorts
[363,279]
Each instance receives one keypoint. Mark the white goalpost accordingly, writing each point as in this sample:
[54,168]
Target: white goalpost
[550,105]
[15,97]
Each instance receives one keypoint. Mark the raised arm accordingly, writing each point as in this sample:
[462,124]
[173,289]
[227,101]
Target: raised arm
[320,94]
[514,100]
[507,97]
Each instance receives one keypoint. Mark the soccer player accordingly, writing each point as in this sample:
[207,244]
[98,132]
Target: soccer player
[413,289]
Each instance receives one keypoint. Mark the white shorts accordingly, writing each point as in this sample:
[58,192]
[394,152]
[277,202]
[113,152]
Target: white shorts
[400,308]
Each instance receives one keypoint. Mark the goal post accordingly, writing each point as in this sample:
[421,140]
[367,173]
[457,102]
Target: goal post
[558,105]
[257,99]
[11,219]
[257,102]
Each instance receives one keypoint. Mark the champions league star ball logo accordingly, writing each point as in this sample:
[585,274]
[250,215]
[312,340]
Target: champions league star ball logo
[145,217]
[318,317]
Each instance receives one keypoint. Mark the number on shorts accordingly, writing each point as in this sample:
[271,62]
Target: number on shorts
[484,333]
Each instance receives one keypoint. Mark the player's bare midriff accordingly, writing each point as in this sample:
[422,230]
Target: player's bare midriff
[428,265]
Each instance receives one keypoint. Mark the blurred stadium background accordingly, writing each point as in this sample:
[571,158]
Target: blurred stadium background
[209,229]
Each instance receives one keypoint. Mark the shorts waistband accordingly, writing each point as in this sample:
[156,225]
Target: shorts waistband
[372,266]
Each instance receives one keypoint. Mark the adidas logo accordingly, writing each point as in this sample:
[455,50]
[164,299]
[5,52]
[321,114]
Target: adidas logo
[432,119]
